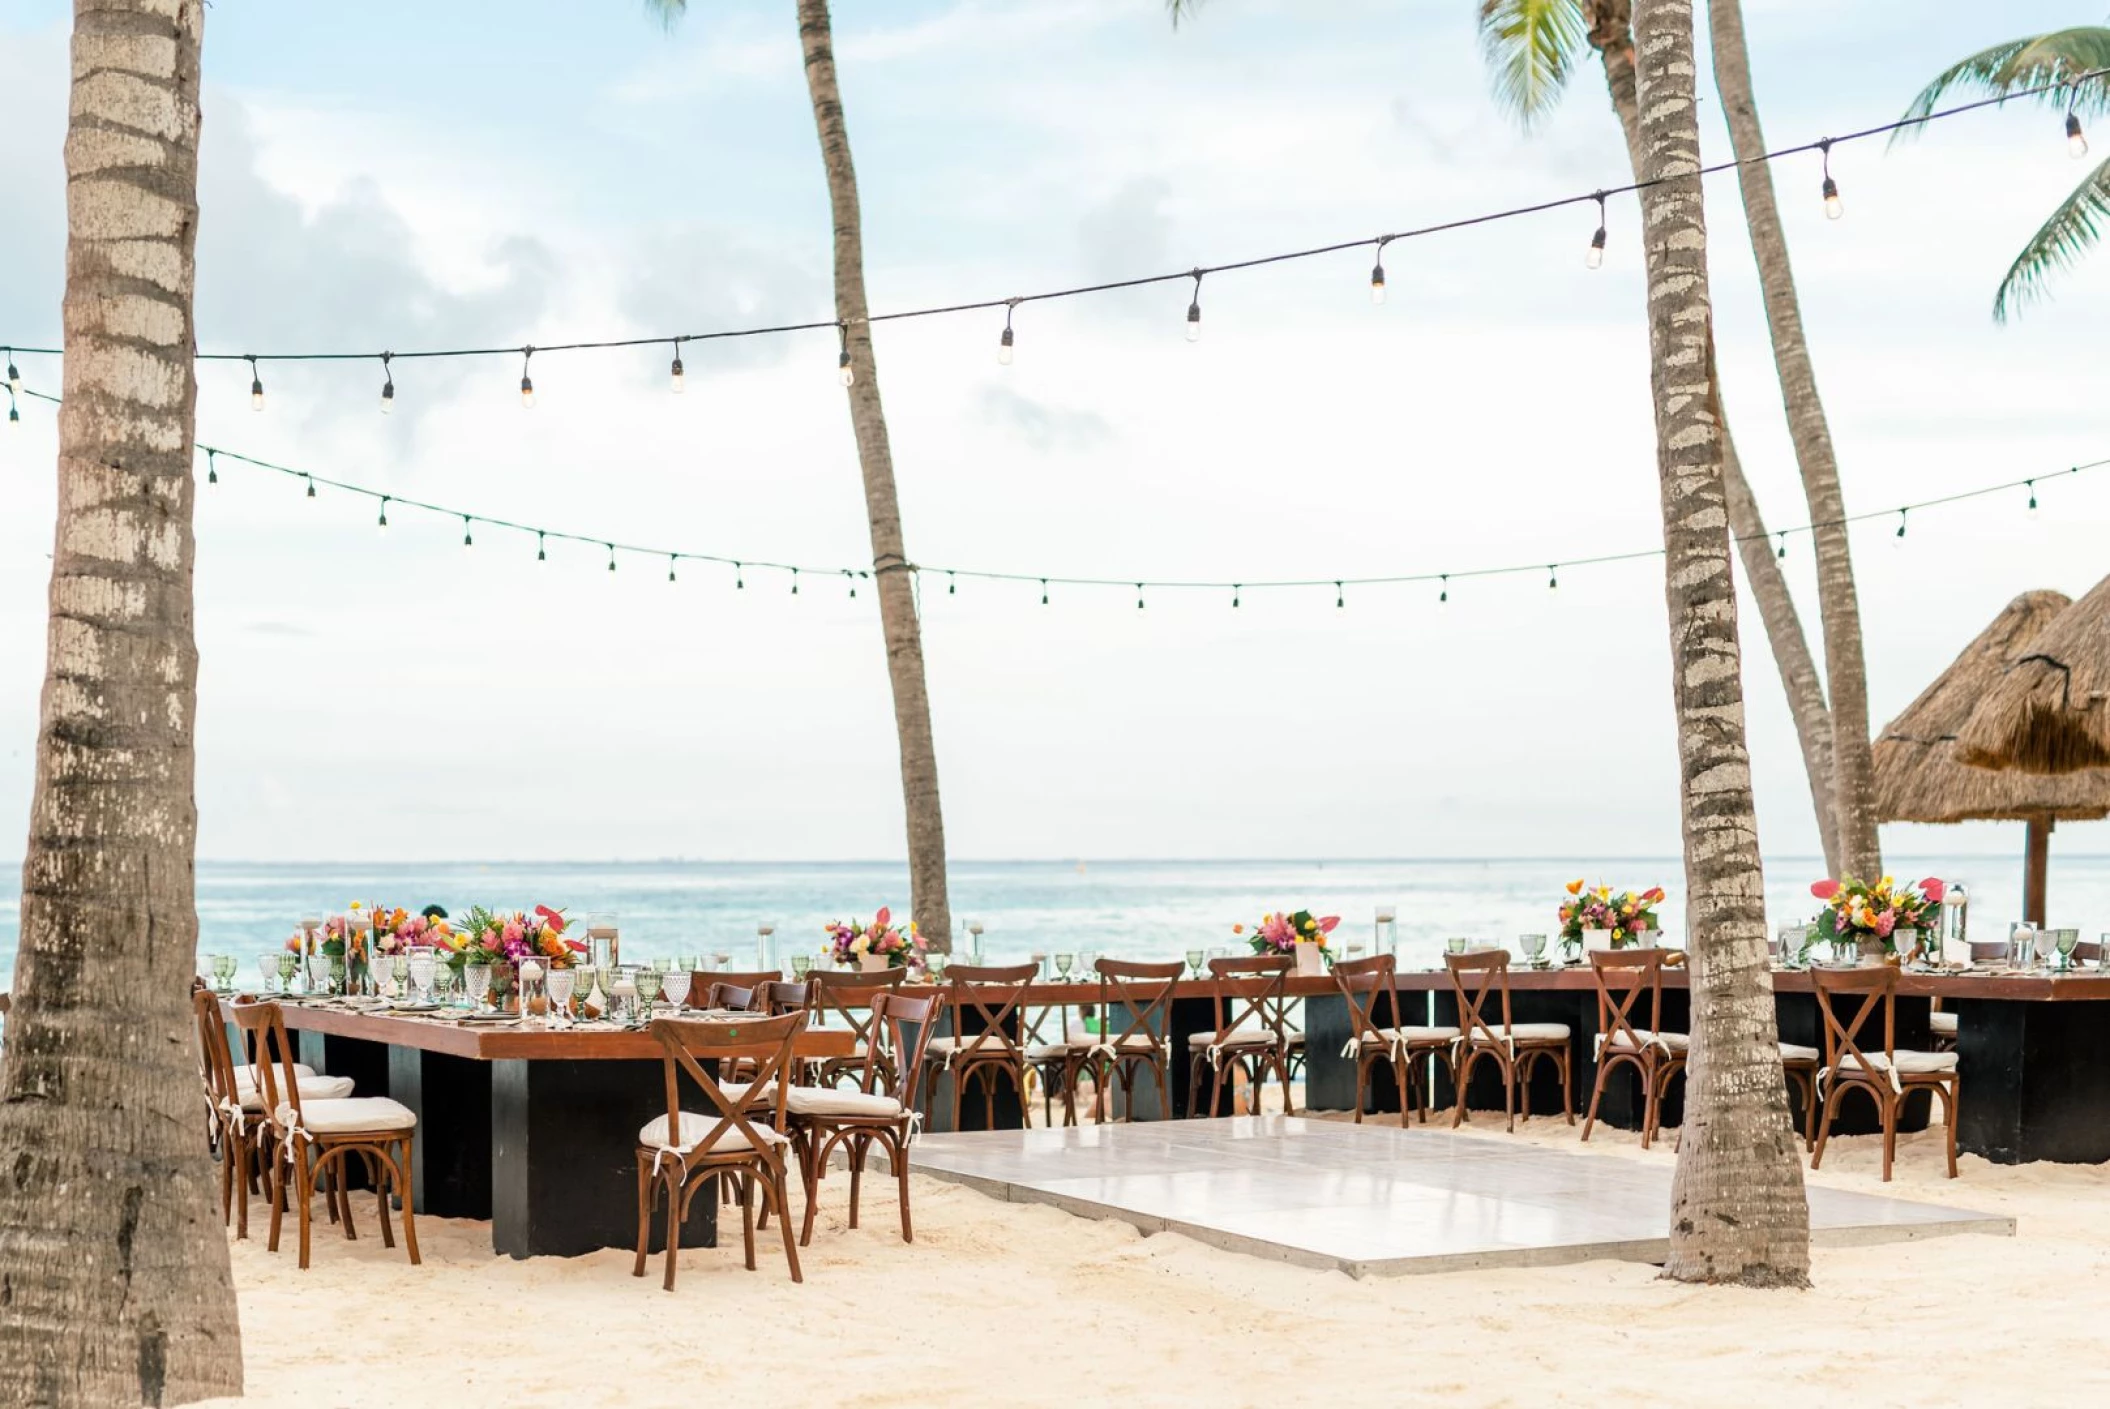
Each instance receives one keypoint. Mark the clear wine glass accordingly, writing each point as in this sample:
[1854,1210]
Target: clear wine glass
[674,983]
[420,967]
[1194,962]
[476,980]
[442,981]
[649,980]
[1062,966]
[584,976]
[561,983]
[934,963]
[267,965]
[1534,947]
[800,963]
[288,965]
[399,972]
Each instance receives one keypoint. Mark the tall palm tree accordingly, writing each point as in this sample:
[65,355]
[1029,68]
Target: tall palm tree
[1533,46]
[113,1266]
[891,566]
[1838,603]
[1738,1210]
[2014,67]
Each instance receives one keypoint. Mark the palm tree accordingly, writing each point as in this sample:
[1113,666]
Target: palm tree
[113,1266]
[1738,1211]
[1533,47]
[891,566]
[1838,604]
[2015,67]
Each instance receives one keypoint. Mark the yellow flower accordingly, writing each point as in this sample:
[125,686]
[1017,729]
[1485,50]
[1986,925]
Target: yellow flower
[357,906]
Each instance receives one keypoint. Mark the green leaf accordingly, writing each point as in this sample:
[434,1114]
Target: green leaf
[2022,64]
[2058,245]
[1532,47]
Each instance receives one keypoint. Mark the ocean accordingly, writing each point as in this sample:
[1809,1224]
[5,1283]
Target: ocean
[1131,909]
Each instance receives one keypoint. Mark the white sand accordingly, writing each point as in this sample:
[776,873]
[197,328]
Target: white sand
[1019,1306]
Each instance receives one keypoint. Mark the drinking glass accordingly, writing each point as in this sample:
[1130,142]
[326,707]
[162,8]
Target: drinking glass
[399,972]
[766,945]
[1062,966]
[1385,934]
[934,963]
[974,941]
[604,938]
[1456,944]
[686,963]
[288,965]
[2066,941]
[1534,947]
[2102,953]
[224,967]
[476,981]
[800,963]
[722,963]
[561,982]
[665,966]
[2021,944]
[1194,962]
[648,985]
[267,965]
[442,981]
[584,976]
[675,984]
[1787,941]
[420,965]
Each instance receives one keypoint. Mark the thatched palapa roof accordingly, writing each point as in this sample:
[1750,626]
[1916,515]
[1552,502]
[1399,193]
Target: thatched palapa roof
[1920,776]
[2049,713]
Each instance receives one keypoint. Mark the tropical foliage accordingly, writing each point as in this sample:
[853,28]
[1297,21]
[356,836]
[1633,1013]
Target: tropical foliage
[1854,910]
[1282,931]
[1596,908]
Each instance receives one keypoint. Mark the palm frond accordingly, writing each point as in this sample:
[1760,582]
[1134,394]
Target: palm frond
[1531,47]
[2022,64]
[2058,245]
[667,12]
[1181,10]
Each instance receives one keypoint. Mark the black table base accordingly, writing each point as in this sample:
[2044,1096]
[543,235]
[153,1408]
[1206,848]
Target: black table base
[2034,1082]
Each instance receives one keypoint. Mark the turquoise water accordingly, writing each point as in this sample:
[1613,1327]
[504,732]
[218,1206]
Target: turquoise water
[1136,909]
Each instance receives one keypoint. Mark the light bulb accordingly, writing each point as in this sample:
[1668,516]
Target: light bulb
[256,393]
[1833,207]
[14,417]
[311,486]
[675,382]
[527,392]
[1003,349]
[1594,258]
[14,378]
[467,541]
[2033,500]
[2076,147]
[844,372]
[388,396]
[1194,322]
[1377,283]
[383,524]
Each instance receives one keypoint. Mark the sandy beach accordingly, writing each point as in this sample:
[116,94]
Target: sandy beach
[1030,1306]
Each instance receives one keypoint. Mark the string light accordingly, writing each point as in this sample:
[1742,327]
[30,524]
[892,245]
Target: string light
[1003,344]
[256,387]
[2076,144]
[844,372]
[1234,595]
[1445,594]
[1194,313]
[388,385]
[739,576]
[1593,258]
[1043,591]
[675,377]
[14,376]
[952,588]
[611,556]
[311,486]
[794,582]
[1139,596]
[383,522]
[1783,545]
[527,383]
[1901,523]
[541,548]
[853,583]
[212,468]
[14,416]
[1553,577]
[2032,510]
[467,541]
[1377,273]
[670,568]
[1833,206]
[1340,597]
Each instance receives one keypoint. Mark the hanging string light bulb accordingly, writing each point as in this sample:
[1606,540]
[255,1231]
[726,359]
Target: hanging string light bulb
[1340,597]
[1194,317]
[1139,596]
[468,541]
[1377,272]
[1783,553]
[1553,577]
[1236,590]
[1445,594]
[1593,258]
[256,387]
[2032,510]
[844,372]
[14,416]
[2076,144]
[14,376]
[212,468]
[1833,206]
[670,567]
[1901,524]
[541,548]
[675,376]
[853,583]
[388,385]
[1003,344]
[794,582]
[739,576]
[527,383]
[311,486]
[611,556]
[382,523]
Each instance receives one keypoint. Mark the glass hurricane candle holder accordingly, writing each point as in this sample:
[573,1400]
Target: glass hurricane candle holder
[531,984]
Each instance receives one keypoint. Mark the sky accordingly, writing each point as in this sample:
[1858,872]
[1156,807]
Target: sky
[390,176]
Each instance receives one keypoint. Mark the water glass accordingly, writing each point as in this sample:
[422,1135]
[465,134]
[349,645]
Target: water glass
[622,995]
[1533,947]
[224,967]
[686,963]
[800,963]
[288,965]
[2102,953]
[1385,938]
[267,965]
[1194,962]
[675,984]
[442,981]
[584,976]
[561,982]
[648,981]
[934,963]
[476,982]
[1062,966]
[1088,964]
[420,964]
[2066,941]
[399,971]
[1457,944]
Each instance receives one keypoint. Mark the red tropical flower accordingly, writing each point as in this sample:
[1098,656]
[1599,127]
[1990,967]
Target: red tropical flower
[1824,890]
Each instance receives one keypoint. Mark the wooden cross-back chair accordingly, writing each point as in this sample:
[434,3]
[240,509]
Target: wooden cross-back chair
[1370,988]
[1251,1014]
[1624,977]
[1887,1075]
[742,1137]
[1135,1014]
[825,1118]
[1515,1048]
[777,998]
[846,994]
[705,982]
[987,1038]
[239,1133]
[315,1136]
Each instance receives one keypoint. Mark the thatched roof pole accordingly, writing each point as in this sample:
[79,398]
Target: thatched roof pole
[2049,713]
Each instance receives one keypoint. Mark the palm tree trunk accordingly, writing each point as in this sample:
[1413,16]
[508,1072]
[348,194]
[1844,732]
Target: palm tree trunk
[113,1266]
[1846,672]
[894,575]
[1611,34]
[1738,1212]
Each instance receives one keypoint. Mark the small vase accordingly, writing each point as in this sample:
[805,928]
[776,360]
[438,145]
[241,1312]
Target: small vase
[1311,960]
[1597,940]
[1873,952]
[872,963]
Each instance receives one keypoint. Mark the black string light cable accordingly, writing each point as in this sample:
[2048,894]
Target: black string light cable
[1237,589]
[1829,190]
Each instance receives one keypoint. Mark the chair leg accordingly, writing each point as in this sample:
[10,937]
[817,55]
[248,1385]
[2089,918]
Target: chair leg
[1650,1107]
[1362,1084]
[775,1189]
[678,1195]
[897,1156]
[402,1176]
[645,1182]
[275,1190]
[1403,1079]
[1459,1082]
[747,1217]
[1954,1093]
[1824,1127]
[305,1187]
[381,1188]
[1604,1070]
[1509,1090]
[237,1170]
[1890,1101]
[1524,1063]
[1161,1070]
[1289,1100]
[1565,1060]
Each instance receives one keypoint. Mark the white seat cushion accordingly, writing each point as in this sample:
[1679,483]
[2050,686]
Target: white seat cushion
[1942,1024]
[312,1088]
[1386,1036]
[1137,1042]
[1794,1052]
[245,1075]
[1908,1063]
[350,1116]
[1047,1052]
[1675,1041]
[695,1127]
[1236,1037]
[1532,1032]
[987,1043]
[744,1091]
[825,1101]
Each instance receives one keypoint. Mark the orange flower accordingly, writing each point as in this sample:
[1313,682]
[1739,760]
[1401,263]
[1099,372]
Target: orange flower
[1575,887]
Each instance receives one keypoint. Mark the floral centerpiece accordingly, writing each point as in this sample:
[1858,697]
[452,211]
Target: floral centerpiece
[1872,915]
[1296,933]
[1626,915]
[498,938]
[879,945]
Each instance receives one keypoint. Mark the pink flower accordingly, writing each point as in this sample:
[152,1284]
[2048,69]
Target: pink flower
[882,917]
[1636,925]
[512,933]
[1886,922]
[1825,890]
[1933,889]
[1327,923]
[1277,932]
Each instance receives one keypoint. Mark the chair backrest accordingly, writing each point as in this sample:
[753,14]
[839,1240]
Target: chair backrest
[1876,989]
[1474,978]
[847,994]
[893,1011]
[702,981]
[778,998]
[1988,950]
[991,993]
[1249,993]
[730,998]
[215,1057]
[263,1027]
[1362,982]
[1143,993]
[759,1048]
[2088,951]
[1623,975]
